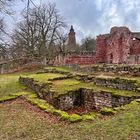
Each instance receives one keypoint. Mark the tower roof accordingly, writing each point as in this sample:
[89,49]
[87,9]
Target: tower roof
[71,29]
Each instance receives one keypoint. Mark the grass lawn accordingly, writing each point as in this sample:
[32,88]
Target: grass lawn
[9,85]
[45,76]
[17,122]
[61,69]
[62,86]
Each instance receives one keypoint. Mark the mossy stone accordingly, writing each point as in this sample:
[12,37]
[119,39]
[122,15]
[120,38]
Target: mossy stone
[107,111]
[87,117]
[75,118]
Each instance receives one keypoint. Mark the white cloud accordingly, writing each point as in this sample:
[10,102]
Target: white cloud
[98,16]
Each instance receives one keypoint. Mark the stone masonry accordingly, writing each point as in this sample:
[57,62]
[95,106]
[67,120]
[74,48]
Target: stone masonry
[88,98]
[119,46]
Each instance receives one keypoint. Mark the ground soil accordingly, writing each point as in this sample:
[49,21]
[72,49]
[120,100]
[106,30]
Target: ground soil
[40,113]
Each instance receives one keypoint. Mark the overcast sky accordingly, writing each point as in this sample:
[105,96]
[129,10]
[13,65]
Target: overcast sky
[94,17]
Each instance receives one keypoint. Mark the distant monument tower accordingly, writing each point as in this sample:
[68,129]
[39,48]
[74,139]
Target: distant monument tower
[71,38]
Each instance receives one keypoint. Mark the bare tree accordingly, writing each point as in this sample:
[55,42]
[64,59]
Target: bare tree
[88,44]
[49,24]
[61,43]
[40,31]
[4,9]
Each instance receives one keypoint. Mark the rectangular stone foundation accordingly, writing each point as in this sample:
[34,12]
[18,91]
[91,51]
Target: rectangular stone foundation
[87,98]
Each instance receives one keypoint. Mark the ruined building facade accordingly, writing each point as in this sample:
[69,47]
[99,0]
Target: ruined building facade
[72,57]
[120,46]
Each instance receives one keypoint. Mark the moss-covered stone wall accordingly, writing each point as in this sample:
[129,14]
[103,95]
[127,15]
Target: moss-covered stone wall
[118,83]
[108,68]
[81,97]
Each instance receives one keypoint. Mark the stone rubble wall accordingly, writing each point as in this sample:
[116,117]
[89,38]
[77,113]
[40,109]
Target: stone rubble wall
[104,68]
[98,100]
[71,100]
[13,66]
[41,89]
[81,97]
[118,83]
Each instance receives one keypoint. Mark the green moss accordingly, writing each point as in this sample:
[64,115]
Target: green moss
[75,118]
[42,104]
[58,112]
[93,114]
[107,111]
[21,93]
[59,69]
[45,76]
[7,98]
[32,95]
[65,85]
[63,115]
[88,117]
[137,100]
[128,106]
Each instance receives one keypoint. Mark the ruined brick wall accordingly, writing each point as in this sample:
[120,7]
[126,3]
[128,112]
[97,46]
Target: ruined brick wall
[135,45]
[101,48]
[117,46]
[80,59]
[133,59]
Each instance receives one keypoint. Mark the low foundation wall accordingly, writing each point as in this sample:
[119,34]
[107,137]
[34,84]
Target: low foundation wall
[70,59]
[10,68]
[117,69]
[118,83]
[81,97]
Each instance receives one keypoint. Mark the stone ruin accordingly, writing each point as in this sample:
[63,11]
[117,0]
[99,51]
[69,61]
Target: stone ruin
[15,65]
[120,46]
[90,99]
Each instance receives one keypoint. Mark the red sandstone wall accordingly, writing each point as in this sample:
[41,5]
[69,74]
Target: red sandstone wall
[101,49]
[134,59]
[117,46]
[75,59]
[80,59]
[135,49]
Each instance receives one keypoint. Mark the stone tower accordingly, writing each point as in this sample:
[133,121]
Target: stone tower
[71,37]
